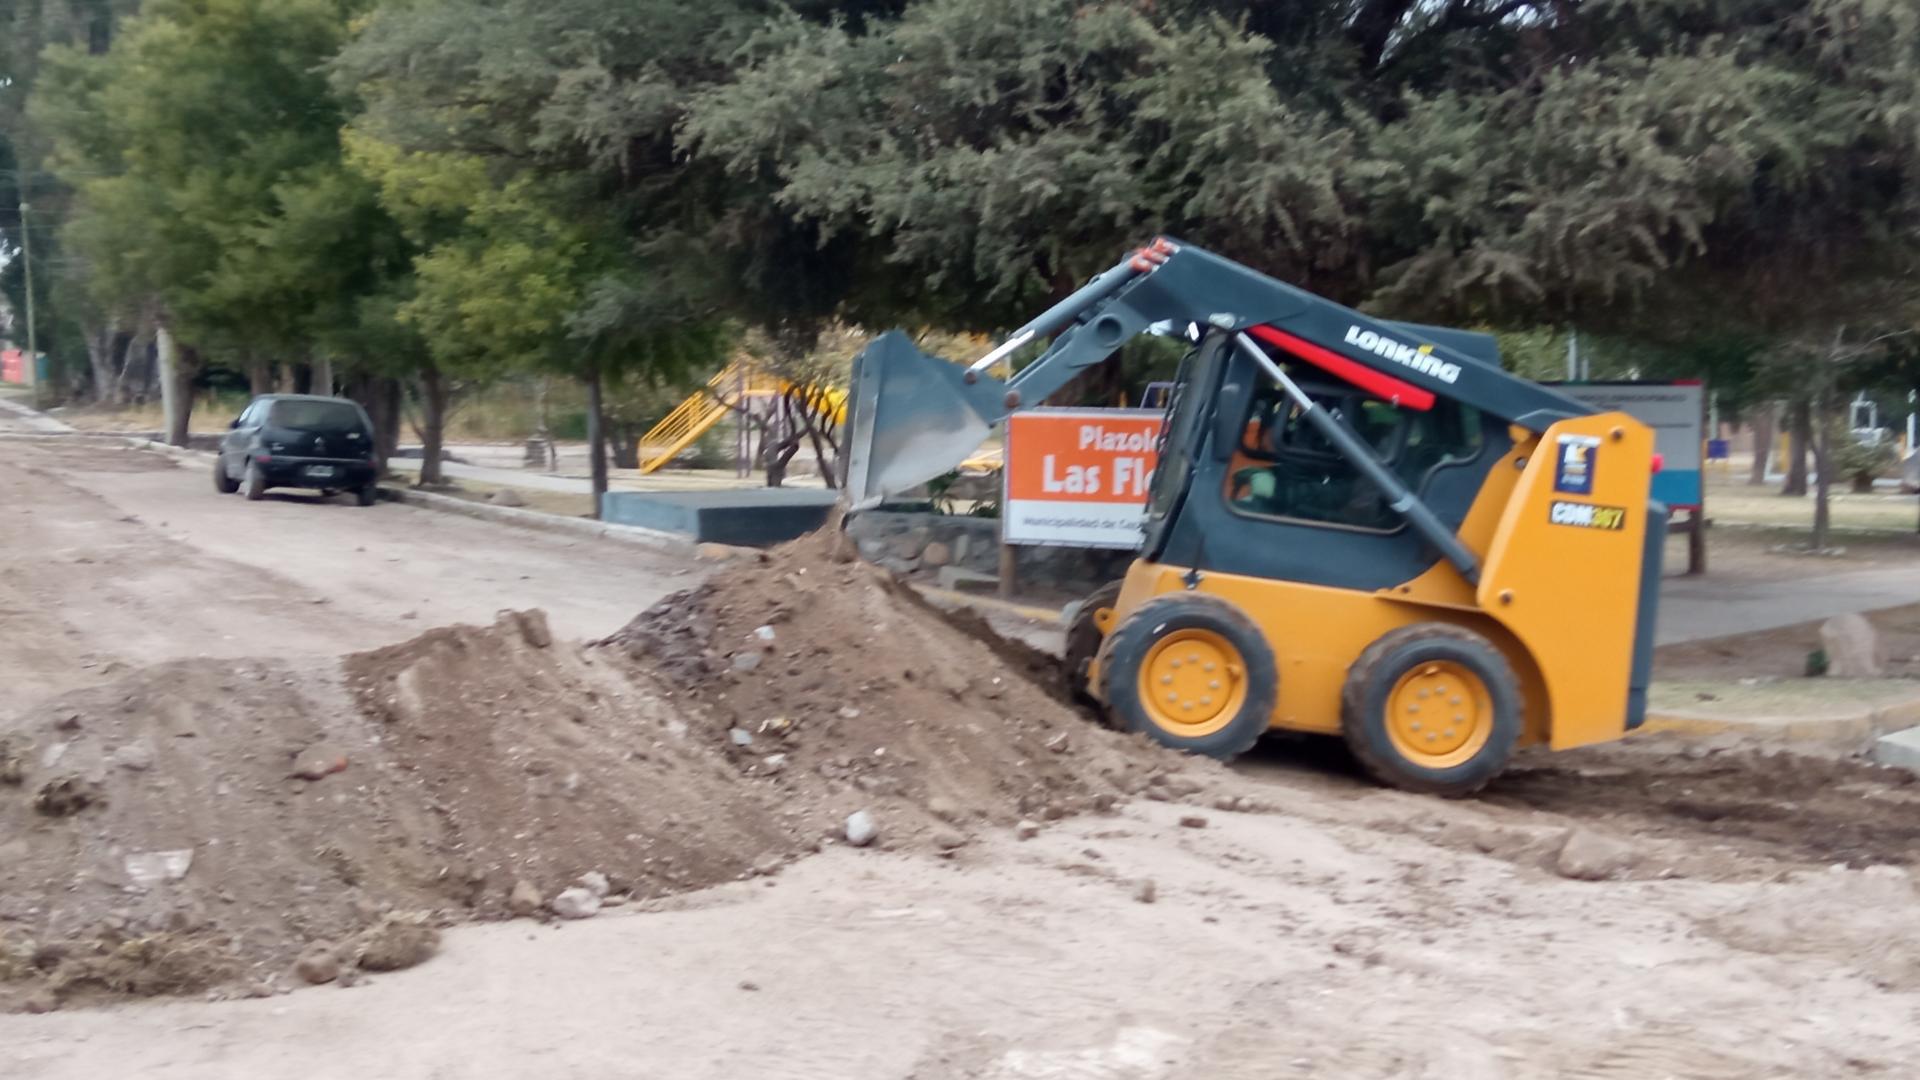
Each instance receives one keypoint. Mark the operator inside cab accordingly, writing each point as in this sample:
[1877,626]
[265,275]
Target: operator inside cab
[1283,468]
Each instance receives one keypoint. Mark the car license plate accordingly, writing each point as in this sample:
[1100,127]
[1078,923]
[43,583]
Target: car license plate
[321,472]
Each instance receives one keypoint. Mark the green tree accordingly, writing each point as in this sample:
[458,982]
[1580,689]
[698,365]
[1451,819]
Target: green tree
[204,151]
[73,331]
[528,151]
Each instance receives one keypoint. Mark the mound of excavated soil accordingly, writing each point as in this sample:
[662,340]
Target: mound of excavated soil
[840,686]
[201,825]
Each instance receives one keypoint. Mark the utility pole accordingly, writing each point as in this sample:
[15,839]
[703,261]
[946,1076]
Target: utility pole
[1573,356]
[33,350]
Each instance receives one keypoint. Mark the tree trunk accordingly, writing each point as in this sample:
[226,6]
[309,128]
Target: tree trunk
[625,440]
[133,369]
[1799,436]
[1762,442]
[387,408]
[323,375]
[100,360]
[259,377]
[596,438]
[433,425]
[285,384]
[176,366]
[1823,479]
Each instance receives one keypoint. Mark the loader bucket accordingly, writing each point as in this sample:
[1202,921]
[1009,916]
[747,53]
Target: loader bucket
[912,417]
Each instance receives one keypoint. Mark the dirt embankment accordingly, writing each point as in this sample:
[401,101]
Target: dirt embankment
[203,824]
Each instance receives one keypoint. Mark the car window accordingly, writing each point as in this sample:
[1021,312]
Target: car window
[322,416]
[250,416]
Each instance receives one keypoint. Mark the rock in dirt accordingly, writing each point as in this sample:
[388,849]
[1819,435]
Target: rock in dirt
[317,762]
[506,497]
[65,795]
[596,883]
[319,964]
[943,808]
[747,661]
[524,900]
[149,868]
[1027,830]
[711,552]
[1852,646]
[861,829]
[1193,821]
[40,1001]
[135,756]
[534,628]
[1145,891]
[397,942]
[1588,856]
[575,903]
[1060,743]
[936,554]
[740,736]
[13,766]
[948,839]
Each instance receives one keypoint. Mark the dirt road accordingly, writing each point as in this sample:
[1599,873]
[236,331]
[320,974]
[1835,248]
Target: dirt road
[1749,917]
[117,558]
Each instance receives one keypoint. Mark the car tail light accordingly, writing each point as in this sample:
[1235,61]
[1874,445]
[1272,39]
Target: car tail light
[1659,462]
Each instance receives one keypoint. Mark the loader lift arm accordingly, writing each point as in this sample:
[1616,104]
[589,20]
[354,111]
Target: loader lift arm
[923,434]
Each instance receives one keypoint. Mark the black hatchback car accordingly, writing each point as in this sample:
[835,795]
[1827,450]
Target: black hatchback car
[301,441]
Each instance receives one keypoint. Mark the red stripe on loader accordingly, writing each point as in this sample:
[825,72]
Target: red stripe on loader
[1360,375]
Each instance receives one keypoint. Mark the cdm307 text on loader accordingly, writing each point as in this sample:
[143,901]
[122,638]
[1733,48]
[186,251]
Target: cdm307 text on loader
[1357,527]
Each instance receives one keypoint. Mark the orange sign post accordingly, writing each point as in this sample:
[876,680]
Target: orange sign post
[1078,477]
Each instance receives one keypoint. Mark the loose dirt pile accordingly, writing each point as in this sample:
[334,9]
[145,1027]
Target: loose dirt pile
[220,826]
[841,685]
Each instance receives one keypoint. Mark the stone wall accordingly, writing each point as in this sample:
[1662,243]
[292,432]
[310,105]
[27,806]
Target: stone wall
[905,542]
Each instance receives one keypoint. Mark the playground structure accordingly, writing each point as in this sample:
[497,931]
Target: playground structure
[739,385]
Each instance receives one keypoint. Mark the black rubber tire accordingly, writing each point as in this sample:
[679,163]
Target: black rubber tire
[1380,667]
[1131,641]
[367,494]
[254,486]
[222,483]
[1083,641]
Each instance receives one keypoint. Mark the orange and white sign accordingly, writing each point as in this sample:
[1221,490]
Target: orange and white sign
[1078,477]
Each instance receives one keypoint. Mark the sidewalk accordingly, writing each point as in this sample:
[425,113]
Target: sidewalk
[1694,609]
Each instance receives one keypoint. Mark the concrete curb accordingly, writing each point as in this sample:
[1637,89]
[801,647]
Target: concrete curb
[1051,616]
[40,421]
[584,528]
[1855,728]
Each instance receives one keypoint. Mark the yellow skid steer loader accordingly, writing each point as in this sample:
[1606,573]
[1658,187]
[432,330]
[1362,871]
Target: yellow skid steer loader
[1357,527]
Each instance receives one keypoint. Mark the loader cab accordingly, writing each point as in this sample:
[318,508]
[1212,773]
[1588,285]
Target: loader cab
[1246,487]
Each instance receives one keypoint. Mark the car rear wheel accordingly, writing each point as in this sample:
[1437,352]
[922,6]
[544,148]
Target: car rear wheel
[222,483]
[367,494]
[254,484]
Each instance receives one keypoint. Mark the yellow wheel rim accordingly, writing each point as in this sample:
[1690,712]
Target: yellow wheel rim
[1439,715]
[1193,683]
